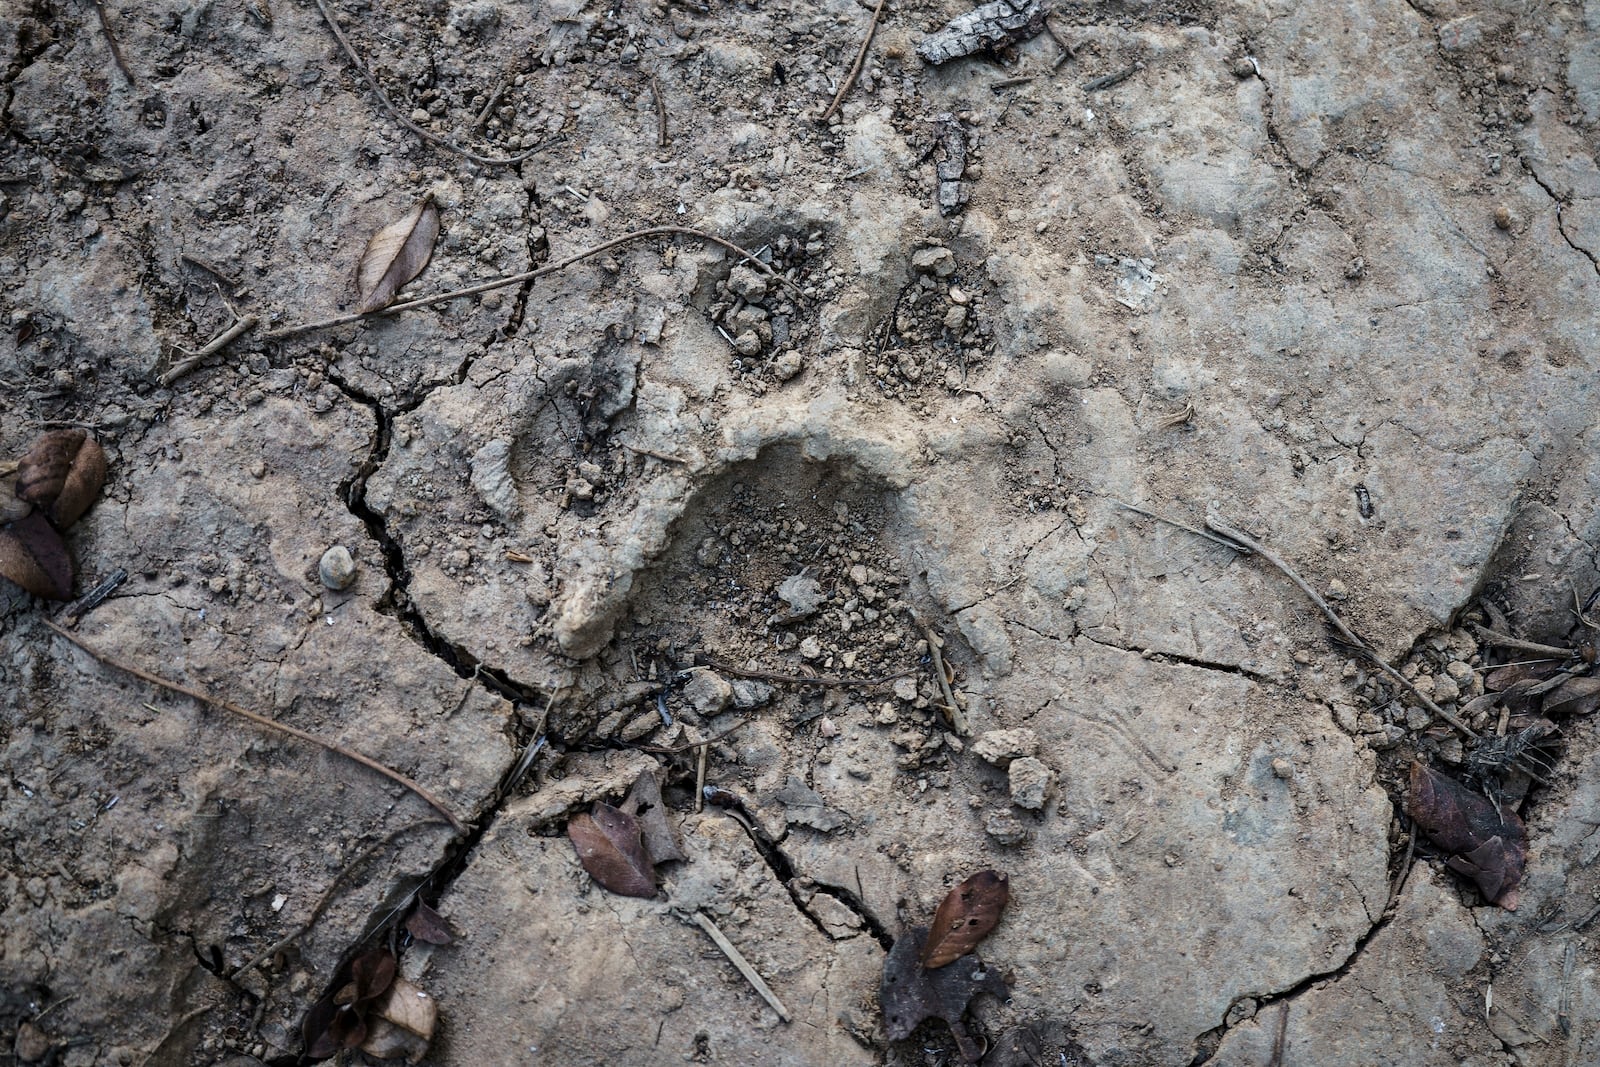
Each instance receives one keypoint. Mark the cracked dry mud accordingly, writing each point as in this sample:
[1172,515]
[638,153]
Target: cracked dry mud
[1329,268]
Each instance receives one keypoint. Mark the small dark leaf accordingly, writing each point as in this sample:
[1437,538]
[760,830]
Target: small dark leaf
[1575,696]
[372,973]
[644,803]
[33,555]
[396,254]
[965,917]
[1488,844]
[316,1029]
[427,925]
[911,993]
[610,849]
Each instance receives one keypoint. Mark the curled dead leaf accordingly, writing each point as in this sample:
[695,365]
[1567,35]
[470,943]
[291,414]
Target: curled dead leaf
[33,555]
[1488,844]
[610,847]
[396,254]
[911,993]
[61,475]
[341,1019]
[965,917]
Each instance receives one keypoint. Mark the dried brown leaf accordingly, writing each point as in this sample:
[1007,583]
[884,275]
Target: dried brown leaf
[396,254]
[1503,678]
[1578,695]
[644,803]
[61,475]
[33,555]
[610,848]
[1488,844]
[429,926]
[911,993]
[401,1023]
[965,917]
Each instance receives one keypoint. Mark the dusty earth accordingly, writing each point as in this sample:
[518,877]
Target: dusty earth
[1329,270]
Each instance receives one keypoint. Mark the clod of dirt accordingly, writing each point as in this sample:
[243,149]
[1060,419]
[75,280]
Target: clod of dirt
[1030,782]
[965,917]
[1486,842]
[1000,747]
[707,692]
[911,993]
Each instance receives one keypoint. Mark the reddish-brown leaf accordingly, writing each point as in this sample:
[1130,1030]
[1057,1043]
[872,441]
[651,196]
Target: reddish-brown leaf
[427,925]
[965,917]
[61,475]
[396,254]
[611,850]
[33,555]
[1488,844]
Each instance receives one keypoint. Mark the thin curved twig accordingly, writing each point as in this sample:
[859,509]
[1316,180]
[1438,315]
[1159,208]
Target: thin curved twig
[383,97]
[226,705]
[1350,636]
[855,68]
[528,276]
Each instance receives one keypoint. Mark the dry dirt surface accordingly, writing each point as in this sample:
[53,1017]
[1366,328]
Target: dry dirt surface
[1326,272]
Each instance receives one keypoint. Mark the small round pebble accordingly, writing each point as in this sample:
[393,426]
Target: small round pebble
[337,568]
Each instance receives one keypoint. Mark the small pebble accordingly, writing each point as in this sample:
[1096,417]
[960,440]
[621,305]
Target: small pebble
[1502,217]
[1282,768]
[337,568]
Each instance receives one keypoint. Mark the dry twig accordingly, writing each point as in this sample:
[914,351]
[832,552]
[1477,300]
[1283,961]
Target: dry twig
[532,275]
[1494,637]
[661,112]
[111,40]
[1350,637]
[222,340]
[261,720]
[743,965]
[952,710]
[383,97]
[802,679]
[855,68]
